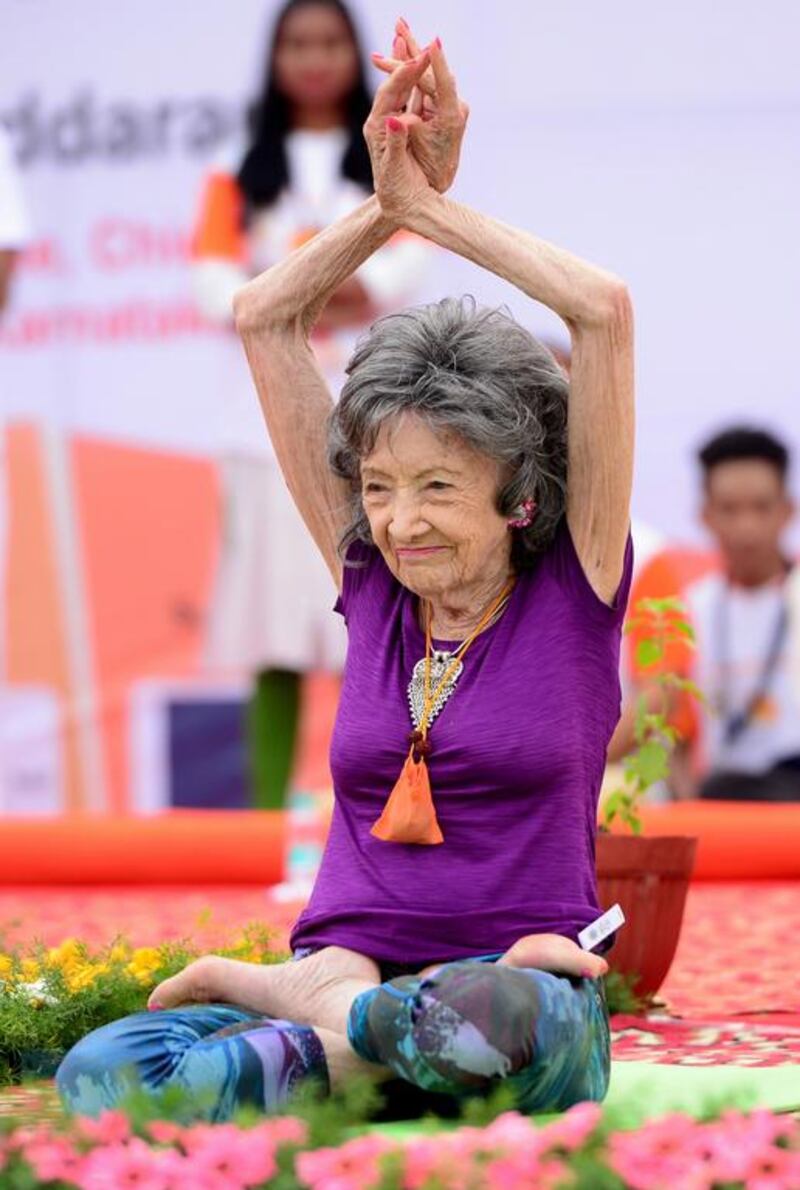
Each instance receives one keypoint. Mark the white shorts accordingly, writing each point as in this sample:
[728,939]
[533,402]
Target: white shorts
[272,603]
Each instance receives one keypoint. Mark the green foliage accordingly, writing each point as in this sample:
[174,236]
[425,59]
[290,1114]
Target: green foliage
[621,997]
[51,998]
[481,1110]
[664,623]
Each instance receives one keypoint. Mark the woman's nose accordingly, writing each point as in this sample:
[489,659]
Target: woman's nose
[405,522]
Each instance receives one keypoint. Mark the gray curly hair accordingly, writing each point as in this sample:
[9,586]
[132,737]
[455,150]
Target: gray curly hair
[466,370]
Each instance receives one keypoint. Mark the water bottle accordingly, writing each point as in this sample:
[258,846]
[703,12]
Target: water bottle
[307,819]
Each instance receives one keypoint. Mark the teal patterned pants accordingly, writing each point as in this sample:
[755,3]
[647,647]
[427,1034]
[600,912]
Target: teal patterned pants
[457,1033]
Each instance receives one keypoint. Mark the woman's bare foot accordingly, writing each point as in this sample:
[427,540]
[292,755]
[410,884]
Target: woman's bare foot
[317,990]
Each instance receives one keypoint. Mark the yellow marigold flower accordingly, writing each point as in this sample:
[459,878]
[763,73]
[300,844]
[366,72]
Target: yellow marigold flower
[67,955]
[145,962]
[147,956]
[6,966]
[143,975]
[30,969]
[79,978]
[119,953]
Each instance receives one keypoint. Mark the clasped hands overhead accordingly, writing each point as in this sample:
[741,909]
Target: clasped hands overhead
[416,126]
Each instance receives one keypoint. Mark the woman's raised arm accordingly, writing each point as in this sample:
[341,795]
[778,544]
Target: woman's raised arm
[274,315]
[597,310]
[595,306]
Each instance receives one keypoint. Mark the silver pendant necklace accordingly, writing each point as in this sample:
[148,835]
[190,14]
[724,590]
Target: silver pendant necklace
[440,660]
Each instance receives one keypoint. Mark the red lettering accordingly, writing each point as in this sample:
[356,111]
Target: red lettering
[43,256]
[116,244]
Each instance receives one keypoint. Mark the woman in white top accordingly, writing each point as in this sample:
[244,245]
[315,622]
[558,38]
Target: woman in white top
[306,165]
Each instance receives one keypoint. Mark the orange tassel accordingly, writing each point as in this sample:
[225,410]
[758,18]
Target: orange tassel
[409,815]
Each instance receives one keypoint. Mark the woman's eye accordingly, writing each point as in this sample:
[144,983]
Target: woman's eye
[439,485]
[373,488]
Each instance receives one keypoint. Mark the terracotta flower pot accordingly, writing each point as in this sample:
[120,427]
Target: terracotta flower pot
[649,877]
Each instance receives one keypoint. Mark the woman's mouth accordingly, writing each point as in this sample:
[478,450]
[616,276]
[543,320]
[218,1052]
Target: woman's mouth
[409,553]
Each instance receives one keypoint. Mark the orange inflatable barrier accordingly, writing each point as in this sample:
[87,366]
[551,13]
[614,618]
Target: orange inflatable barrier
[738,841]
[176,847]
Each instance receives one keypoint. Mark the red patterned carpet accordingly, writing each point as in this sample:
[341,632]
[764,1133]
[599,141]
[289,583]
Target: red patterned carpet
[737,952]
[732,995]
[765,1041]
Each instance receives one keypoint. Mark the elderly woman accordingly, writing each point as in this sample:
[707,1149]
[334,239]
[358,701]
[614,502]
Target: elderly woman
[474,514]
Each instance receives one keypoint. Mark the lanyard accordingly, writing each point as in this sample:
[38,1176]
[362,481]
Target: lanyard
[735,722]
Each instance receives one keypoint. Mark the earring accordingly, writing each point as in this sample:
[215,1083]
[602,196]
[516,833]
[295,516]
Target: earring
[523,515]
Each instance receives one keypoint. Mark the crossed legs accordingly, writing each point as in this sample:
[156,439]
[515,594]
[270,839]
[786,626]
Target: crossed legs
[457,1029]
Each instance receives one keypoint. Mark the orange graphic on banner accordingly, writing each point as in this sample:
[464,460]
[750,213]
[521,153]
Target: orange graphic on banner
[219,231]
[149,526]
[36,641]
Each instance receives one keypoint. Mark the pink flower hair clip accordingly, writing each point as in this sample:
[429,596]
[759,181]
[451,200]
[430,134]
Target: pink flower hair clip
[523,515]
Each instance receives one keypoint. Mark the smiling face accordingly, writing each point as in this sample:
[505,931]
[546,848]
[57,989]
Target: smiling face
[430,500]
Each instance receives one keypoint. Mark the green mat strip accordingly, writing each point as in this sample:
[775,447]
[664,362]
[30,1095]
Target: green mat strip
[653,1091]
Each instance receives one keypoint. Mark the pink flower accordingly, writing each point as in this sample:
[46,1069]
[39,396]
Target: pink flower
[574,1128]
[733,1145]
[352,1166]
[422,1159]
[284,1130]
[553,1173]
[134,1164]
[523,1170]
[109,1127]
[166,1132]
[656,1155]
[29,1134]
[512,1171]
[53,1159]
[776,1170]
[513,1131]
[182,1173]
[245,1156]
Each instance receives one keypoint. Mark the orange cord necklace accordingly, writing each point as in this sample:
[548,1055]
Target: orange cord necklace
[409,815]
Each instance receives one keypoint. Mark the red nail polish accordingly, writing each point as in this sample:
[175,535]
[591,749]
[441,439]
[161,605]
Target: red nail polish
[393,124]
[155,1007]
[439,42]
[586,974]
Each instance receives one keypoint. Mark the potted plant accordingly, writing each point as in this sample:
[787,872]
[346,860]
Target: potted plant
[647,875]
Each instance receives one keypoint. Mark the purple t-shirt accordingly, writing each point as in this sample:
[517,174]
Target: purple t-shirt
[517,758]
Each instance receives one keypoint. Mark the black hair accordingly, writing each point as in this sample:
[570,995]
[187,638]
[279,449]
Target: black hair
[744,442]
[264,171]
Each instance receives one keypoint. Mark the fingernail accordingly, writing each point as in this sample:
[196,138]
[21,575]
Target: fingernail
[393,124]
[587,974]
[439,42]
[154,1007]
